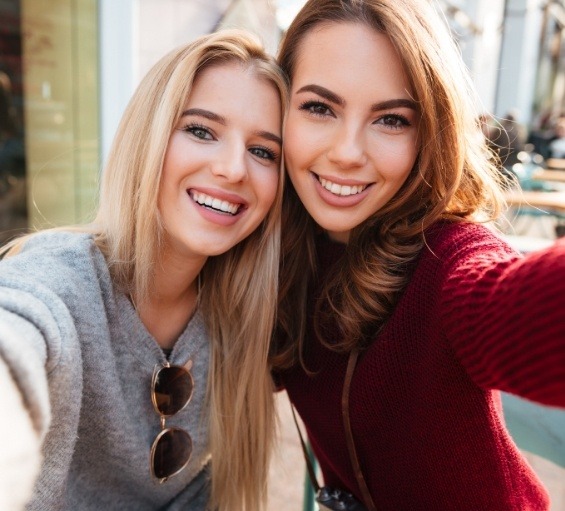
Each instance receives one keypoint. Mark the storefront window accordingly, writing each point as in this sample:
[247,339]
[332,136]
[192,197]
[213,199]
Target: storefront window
[49,115]
[13,186]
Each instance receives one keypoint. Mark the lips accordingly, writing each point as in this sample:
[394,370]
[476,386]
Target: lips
[341,190]
[341,193]
[217,201]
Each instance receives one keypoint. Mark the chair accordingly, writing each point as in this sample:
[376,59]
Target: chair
[309,496]
[523,216]
[536,428]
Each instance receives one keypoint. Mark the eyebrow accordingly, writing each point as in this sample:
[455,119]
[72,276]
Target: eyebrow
[206,114]
[322,91]
[269,136]
[334,98]
[395,103]
[222,120]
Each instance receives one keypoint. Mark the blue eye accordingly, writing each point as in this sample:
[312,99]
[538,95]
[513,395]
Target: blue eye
[199,131]
[263,153]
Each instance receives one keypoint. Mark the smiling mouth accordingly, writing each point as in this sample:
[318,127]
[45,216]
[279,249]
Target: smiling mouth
[214,204]
[340,190]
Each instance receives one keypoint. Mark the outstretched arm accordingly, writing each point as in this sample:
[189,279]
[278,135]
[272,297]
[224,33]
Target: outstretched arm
[506,322]
[20,445]
[29,347]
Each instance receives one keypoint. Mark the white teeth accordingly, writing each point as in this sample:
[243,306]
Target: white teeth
[215,203]
[342,190]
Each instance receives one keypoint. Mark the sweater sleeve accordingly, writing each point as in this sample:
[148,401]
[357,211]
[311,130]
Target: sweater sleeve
[505,318]
[19,448]
[30,347]
[24,399]
[40,364]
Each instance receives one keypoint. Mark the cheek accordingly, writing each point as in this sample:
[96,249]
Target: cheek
[267,185]
[291,150]
[174,149]
[395,157]
[299,141]
[165,189]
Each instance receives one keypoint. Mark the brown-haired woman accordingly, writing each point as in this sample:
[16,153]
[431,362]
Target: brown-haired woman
[387,254]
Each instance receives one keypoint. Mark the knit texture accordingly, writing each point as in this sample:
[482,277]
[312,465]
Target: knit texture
[83,362]
[425,410]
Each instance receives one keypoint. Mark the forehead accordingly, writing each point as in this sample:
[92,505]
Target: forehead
[232,80]
[236,91]
[217,72]
[349,53]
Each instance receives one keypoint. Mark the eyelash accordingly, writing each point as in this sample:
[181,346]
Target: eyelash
[271,155]
[395,117]
[310,106]
[193,128]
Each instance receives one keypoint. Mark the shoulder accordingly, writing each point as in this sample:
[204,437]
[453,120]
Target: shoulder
[462,250]
[58,240]
[57,245]
[57,259]
[448,240]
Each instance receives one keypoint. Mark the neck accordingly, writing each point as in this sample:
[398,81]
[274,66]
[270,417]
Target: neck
[172,301]
[339,237]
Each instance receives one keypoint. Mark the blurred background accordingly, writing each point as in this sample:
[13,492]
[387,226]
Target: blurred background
[69,67]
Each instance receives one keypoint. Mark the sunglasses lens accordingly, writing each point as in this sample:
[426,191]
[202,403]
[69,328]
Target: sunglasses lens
[170,452]
[172,389]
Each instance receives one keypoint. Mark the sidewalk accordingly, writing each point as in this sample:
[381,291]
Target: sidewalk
[288,469]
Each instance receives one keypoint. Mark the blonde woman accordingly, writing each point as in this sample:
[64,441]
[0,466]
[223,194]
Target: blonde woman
[391,281]
[134,350]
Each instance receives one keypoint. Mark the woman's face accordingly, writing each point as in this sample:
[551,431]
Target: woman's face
[221,168]
[351,136]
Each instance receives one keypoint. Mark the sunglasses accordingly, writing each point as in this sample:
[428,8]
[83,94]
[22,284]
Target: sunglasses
[171,391]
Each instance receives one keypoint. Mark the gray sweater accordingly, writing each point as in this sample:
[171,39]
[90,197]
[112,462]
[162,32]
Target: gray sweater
[83,361]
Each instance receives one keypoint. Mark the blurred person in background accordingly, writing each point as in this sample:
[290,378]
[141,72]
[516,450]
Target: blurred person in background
[505,138]
[557,144]
[543,133]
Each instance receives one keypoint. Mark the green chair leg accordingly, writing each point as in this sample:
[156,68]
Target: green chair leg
[309,495]
[536,428]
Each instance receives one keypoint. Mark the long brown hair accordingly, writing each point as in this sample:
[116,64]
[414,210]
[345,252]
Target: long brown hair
[453,178]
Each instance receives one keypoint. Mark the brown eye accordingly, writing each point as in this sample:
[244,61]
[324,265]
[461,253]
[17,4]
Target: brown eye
[393,121]
[316,108]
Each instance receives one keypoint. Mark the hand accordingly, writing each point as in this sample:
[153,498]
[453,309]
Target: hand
[20,447]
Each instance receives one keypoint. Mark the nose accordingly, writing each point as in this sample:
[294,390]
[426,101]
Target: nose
[231,162]
[347,149]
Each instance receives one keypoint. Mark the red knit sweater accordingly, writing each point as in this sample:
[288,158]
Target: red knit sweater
[426,419]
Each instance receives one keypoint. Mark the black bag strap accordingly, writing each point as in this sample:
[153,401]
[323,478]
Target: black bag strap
[351,363]
[309,466]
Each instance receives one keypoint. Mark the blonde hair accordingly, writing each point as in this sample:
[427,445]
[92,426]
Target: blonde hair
[453,177]
[238,294]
